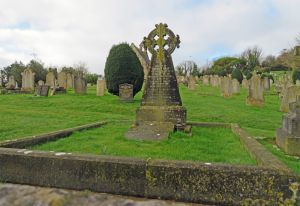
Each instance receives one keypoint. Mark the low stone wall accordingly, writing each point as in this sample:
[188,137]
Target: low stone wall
[176,180]
[39,139]
[258,151]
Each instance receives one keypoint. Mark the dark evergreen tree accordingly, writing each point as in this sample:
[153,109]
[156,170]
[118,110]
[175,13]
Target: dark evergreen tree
[123,66]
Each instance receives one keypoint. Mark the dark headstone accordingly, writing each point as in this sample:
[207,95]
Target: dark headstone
[126,92]
[161,102]
[42,90]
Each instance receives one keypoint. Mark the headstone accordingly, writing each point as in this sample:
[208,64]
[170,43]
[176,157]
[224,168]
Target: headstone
[62,79]
[226,87]
[245,84]
[27,80]
[100,87]
[11,83]
[288,97]
[41,83]
[161,108]
[206,80]
[288,136]
[235,86]
[42,90]
[50,79]
[191,83]
[214,80]
[126,92]
[80,85]
[298,82]
[70,81]
[256,91]
[266,82]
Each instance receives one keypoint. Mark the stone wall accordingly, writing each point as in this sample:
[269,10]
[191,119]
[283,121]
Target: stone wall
[177,180]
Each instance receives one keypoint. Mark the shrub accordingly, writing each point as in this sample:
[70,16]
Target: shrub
[123,66]
[237,74]
[296,75]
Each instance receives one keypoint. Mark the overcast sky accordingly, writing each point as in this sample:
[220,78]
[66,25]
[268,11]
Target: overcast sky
[65,32]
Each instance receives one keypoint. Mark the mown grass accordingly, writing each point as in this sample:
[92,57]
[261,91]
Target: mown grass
[206,145]
[26,115]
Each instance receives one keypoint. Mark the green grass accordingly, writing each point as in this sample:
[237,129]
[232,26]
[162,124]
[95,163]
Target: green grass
[23,115]
[206,145]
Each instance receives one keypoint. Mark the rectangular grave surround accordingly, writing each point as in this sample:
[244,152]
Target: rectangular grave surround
[164,179]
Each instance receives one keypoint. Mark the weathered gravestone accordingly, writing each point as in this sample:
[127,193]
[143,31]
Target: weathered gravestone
[62,79]
[41,83]
[80,85]
[235,86]
[288,137]
[11,83]
[161,110]
[206,80]
[256,91]
[288,97]
[297,82]
[42,90]
[126,92]
[28,80]
[50,79]
[70,81]
[266,83]
[191,83]
[226,87]
[245,84]
[100,87]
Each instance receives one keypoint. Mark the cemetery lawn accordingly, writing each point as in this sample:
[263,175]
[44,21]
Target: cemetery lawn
[24,115]
[206,145]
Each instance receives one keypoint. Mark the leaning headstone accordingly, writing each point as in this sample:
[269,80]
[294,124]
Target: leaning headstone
[80,85]
[62,79]
[100,87]
[191,83]
[161,108]
[41,83]
[28,80]
[50,79]
[70,81]
[42,90]
[288,136]
[256,91]
[143,57]
[288,97]
[226,87]
[266,82]
[11,83]
[126,92]
[235,86]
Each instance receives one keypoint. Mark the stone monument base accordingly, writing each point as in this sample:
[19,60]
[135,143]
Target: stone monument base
[174,114]
[150,131]
[288,143]
[254,102]
[157,122]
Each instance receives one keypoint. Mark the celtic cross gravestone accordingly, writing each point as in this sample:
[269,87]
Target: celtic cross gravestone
[161,108]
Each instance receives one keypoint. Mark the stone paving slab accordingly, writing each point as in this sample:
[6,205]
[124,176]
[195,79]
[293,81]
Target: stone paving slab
[24,195]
